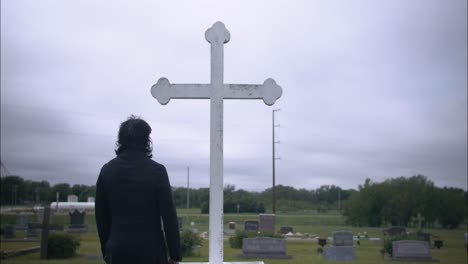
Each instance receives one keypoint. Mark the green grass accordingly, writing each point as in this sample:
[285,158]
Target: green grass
[302,251]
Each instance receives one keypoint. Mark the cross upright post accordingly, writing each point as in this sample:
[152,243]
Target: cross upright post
[216,91]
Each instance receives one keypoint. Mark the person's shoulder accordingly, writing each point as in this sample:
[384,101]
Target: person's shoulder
[108,165]
[155,164]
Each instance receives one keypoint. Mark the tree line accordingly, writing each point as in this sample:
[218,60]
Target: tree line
[397,201]
[392,202]
[18,191]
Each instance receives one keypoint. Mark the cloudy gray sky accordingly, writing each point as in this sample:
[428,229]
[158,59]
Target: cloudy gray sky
[371,89]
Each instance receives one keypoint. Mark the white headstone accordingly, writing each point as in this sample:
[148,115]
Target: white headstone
[72,198]
[90,199]
[216,91]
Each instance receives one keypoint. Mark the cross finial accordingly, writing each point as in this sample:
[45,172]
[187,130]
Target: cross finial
[217,34]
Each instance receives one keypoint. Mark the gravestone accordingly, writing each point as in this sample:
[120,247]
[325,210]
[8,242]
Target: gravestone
[342,238]
[251,225]
[72,198]
[267,223]
[264,247]
[232,225]
[466,240]
[77,221]
[424,237]
[91,199]
[22,221]
[342,248]
[286,229]
[394,231]
[9,232]
[412,250]
[340,253]
[216,91]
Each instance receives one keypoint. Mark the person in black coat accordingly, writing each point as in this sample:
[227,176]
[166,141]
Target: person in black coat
[135,214]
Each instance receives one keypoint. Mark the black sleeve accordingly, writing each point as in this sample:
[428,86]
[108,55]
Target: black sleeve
[102,213]
[169,218]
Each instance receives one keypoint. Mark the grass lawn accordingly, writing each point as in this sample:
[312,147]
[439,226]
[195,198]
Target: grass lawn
[302,251]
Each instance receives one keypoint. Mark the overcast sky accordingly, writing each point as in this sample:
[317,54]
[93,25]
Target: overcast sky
[371,89]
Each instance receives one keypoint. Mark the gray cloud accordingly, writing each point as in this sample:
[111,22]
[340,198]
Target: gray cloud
[370,88]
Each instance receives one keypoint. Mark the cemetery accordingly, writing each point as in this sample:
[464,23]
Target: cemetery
[299,250]
[389,219]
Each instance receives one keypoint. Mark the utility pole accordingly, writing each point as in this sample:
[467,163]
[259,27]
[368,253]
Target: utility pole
[273,204]
[188,190]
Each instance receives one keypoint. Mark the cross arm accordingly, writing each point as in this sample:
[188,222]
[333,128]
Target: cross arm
[269,91]
[164,91]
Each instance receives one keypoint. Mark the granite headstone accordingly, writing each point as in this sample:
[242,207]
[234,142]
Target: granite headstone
[267,223]
[412,251]
[250,225]
[264,247]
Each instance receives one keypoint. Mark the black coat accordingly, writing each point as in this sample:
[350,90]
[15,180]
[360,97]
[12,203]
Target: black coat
[133,203]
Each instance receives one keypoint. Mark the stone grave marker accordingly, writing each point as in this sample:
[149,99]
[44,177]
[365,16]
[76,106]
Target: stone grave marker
[72,198]
[216,91]
[424,237]
[251,225]
[91,199]
[340,253]
[342,248]
[232,225]
[22,221]
[77,223]
[466,240]
[394,231]
[9,232]
[267,223]
[412,251]
[264,247]
[342,238]
[286,229]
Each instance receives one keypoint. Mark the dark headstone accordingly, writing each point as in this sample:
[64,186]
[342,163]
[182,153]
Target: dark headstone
[77,222]
[250,225]
[412,251]
[9,232]
[342,238]
[286,229]
[394,231]
[232,225]
[267,223]
[22,221]
[264,247]
[424,237]
[339,253]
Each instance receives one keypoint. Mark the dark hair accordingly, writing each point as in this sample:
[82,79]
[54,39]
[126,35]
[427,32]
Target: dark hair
[134,135]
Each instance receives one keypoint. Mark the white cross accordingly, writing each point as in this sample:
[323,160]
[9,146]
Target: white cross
[216,91]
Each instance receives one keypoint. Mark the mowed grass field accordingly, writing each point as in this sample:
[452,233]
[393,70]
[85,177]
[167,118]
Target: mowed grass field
[302,250]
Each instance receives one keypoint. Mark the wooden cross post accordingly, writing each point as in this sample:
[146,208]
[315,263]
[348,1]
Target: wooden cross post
[216,91]
[45,226]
